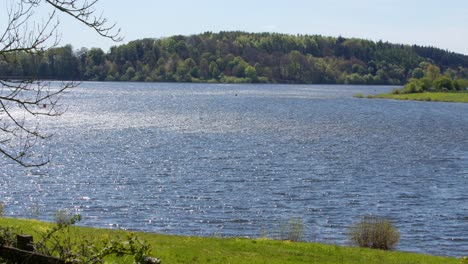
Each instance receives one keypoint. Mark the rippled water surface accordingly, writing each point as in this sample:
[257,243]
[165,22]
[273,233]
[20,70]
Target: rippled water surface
[239,160]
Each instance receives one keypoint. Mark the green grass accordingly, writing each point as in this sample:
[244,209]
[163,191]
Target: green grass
[183,249]
[460,97]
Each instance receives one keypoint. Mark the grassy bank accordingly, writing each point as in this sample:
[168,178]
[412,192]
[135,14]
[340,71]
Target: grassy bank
[460,97]
[181,249]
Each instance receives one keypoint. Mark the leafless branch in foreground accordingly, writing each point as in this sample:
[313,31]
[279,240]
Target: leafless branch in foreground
[25,102]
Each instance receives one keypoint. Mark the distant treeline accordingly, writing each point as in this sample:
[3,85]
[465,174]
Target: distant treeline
[240,57]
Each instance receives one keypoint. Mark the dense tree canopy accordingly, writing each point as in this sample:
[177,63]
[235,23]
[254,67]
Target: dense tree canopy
[246,57]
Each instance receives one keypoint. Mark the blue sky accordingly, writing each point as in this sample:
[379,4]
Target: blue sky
[443,24]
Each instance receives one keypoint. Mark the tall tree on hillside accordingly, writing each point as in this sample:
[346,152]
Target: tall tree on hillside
[25,102]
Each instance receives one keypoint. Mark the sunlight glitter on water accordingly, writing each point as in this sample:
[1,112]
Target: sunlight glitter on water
[196,159]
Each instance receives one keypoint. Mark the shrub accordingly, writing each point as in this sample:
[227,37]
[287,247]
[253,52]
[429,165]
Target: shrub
[293,230]
[396,91]
[2,207]
[443,84]
[464,260]
[61,242]
[461,84]
[413,86]
[64,217]
[8,236]
[425,83]
[374,232]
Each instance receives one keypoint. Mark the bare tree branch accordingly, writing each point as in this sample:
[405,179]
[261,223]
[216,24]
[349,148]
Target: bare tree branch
[23,101]
[84,13]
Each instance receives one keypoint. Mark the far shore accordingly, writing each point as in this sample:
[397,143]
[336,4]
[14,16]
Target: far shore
[454,97]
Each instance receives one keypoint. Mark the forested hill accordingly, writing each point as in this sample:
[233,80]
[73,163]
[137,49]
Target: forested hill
[241,57]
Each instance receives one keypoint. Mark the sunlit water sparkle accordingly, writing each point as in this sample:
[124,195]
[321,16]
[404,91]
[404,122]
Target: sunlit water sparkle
[239,160]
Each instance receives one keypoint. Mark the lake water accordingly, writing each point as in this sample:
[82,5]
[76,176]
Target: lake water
[240,160]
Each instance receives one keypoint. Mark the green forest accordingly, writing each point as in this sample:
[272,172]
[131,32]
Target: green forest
[239,57]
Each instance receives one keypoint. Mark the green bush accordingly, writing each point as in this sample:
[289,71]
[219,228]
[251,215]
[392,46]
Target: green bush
[374,232]
[425,83]
[64,217]
[461,84]
[8,236]
[443,83]
[414,86]
[396,91]
[61,241]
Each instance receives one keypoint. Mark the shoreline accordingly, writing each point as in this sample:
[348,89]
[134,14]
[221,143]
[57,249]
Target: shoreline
[447,97]
[192,249]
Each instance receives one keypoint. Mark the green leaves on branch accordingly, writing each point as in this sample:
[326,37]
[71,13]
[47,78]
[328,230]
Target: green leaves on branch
[61,241]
